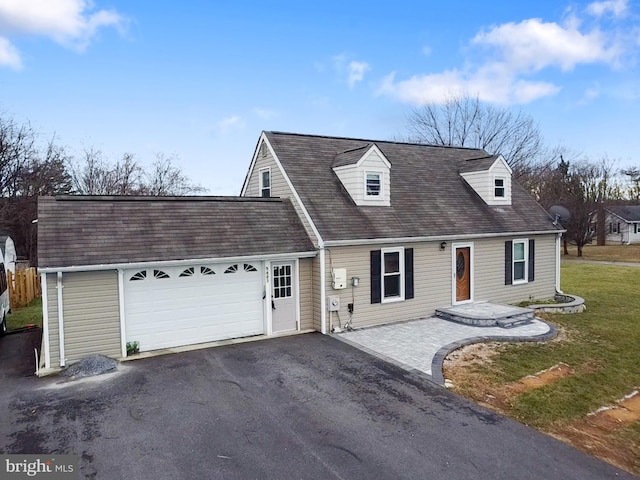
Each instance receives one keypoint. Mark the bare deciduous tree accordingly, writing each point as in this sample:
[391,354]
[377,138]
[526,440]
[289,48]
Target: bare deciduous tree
[464,121]
[164,178]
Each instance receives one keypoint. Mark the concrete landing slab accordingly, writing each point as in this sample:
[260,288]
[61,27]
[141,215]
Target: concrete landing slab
[486,314]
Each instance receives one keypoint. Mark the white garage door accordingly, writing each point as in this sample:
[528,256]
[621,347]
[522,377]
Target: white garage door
[170,307]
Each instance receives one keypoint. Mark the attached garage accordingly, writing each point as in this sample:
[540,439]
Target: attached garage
[174,306]
[168,272]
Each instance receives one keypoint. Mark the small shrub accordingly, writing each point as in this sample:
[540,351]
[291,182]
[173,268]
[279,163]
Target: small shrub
[132,348]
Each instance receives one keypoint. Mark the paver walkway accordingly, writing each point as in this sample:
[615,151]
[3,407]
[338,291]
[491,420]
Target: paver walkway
[416,344]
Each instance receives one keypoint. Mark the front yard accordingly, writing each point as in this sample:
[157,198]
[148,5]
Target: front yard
[595,360]
[606,253]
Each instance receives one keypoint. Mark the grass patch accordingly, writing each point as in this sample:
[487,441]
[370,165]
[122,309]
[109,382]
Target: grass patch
[607,253]
[600,344]
[31,314]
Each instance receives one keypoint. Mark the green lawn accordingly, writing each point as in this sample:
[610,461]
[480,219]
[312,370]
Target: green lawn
[31,314]
[608,253]
[601,345]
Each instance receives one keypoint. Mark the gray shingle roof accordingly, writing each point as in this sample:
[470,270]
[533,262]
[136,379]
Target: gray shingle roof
[428,195]
[350,156]
[75,231]
[478,164]
[630,213]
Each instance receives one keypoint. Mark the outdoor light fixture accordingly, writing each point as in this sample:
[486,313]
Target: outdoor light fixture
[443,245]
[355,281]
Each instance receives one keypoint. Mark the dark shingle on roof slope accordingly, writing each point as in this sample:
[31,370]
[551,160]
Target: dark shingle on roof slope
[350,156]
[630,213]
[478,164]
[75,231]
[428,196]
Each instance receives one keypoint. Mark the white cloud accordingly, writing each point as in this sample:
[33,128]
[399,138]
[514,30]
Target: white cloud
[488,83]
[72,23]
[9,55]
[616,7]
[532,45]
[511,55]
[227,124]
[356,71]
[352,69]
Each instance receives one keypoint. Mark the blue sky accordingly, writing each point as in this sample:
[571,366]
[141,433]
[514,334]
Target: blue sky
[201,80]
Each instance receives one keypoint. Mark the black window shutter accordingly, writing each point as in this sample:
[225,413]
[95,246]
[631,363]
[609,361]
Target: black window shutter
[408,273]
[508,257]
[532,258]
[376,269]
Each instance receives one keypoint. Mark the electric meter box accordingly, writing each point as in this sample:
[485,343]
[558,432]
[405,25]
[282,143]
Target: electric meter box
[339,278]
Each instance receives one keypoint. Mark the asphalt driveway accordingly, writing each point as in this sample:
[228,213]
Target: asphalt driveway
[303,407]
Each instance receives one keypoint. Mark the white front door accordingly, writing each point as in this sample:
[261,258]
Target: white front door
[283,296]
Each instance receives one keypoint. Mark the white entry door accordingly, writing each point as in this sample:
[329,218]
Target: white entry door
[174,306]
[283,313]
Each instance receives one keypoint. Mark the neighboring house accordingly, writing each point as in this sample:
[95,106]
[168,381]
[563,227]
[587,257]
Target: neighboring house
[622,224]
[363,231]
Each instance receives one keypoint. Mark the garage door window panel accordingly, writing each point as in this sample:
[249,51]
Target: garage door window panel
[141,275]
[232,269]
[207,271]
[188,272]
[160,274]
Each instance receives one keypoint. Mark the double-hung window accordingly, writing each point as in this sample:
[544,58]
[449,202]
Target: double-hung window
[498,188]
[265,182]
[373,184]
[392,274]
[519,261]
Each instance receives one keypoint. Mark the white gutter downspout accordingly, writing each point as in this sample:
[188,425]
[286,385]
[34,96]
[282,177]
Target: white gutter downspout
[60,319]
[558,259]
[123,336]
[323,303]
[45,321]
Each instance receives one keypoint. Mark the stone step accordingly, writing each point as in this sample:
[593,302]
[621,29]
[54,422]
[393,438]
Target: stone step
[508,320]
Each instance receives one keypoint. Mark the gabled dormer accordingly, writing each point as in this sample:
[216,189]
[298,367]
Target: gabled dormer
[490,177]
[366,174]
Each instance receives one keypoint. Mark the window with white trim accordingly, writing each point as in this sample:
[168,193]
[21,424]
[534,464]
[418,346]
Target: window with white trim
[520,261]
[499,188]
[392,272]
[373,184]
[265,182]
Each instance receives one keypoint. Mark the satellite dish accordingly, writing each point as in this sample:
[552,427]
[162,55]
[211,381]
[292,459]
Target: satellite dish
[560,214]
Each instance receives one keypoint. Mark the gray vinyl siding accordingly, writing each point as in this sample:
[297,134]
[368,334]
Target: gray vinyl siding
[433,279]
[306,293]
[279,188]
[317,313]
[489,271]
[91,314]
[52,311]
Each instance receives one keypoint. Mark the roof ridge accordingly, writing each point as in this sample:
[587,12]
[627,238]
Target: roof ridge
[171,198]
[369,140]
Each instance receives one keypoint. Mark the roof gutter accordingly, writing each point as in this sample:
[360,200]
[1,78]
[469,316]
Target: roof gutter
[432,238]
[175,263]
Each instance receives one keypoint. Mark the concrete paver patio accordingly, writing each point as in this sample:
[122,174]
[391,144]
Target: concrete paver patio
[422,344]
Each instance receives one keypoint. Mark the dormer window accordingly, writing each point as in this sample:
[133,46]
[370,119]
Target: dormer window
[499,188]
[265,182]
[373,184]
